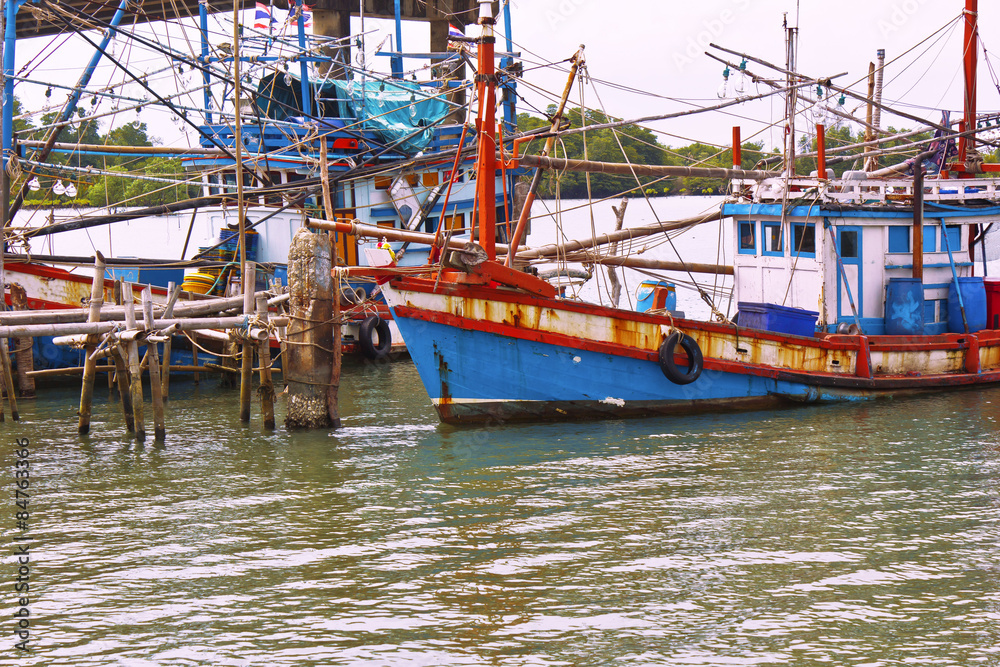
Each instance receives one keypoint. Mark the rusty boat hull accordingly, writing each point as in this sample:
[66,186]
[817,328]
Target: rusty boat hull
[501,355]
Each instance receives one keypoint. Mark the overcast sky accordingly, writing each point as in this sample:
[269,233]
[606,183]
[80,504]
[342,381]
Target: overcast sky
[657,46]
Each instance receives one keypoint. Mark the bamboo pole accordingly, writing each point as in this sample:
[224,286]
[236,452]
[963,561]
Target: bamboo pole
[90,364]
[655,264]
[625,169]
[134,370]
[117,314]
[155,386]
[266,385]
[173,291]
[110,368]
[185,324]
[246,376]
[5,220]
[372,231]
[559,249]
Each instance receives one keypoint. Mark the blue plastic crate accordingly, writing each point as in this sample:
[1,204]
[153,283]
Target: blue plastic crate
[777,319]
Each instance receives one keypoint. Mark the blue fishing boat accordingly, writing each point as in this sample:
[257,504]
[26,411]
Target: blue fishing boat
[850,288]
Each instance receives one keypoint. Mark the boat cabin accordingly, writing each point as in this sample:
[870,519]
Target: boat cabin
[849,255]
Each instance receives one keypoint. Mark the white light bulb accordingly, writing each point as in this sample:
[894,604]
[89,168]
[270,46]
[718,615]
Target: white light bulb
[70,190]
[59,188]
[34,185]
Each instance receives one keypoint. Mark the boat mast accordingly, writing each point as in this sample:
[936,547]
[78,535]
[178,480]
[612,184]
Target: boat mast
[970,46]
[486,128]
[792,98]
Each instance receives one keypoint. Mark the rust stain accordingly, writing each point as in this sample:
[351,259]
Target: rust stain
[443,372]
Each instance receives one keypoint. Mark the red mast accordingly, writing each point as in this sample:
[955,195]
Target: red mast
[486,186]
[970,47]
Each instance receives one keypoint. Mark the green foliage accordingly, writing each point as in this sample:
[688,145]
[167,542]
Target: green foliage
[107,190]
[21,125]
[842,136]
[640,147]
[130,191]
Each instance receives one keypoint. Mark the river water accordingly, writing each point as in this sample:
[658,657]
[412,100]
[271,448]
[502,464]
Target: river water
[845,535]
[863,535]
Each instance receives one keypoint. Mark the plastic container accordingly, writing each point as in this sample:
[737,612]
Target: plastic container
[974,297]
[655,295]
[992,303]
[778,319]
[904,307]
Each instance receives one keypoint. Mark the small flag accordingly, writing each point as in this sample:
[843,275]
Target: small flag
[307,16]
[457,44]
[263,18]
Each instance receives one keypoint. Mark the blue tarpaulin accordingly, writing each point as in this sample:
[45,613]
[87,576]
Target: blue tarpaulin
[393,108]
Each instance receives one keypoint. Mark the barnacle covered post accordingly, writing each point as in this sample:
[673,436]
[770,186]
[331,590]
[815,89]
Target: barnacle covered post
[310,333]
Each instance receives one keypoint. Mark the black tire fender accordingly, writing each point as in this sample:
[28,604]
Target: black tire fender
[374,337]
[696,362]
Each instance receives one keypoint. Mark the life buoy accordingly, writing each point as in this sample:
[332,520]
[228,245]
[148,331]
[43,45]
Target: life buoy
[374,337]
[696,361]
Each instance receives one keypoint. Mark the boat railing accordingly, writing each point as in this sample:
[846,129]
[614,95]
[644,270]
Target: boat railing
[869,191]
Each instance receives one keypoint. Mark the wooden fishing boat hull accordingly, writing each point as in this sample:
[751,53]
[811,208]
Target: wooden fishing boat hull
[495,355]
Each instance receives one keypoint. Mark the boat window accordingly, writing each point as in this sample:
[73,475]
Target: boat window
[849,244]
[455,222]
[430,224]
[930,240]
[954,238]
[804,239]
[275,198]
[899,239]
[772,241]
[748,237]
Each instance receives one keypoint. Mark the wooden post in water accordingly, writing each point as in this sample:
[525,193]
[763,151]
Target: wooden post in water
[310,331]
[23,354]
[121,376]
[266,385]
[173,291]
[194,349]
[134,368]
[155,387]
[90,362]
[8,378]
[246,376]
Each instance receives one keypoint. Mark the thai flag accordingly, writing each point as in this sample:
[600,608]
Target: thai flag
[263,18]
[456,44]
[307,16]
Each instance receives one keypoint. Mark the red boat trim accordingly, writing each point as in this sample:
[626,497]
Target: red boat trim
[832,342]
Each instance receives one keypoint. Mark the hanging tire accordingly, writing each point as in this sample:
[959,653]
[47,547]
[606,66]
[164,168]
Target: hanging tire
[696,361]
[374,337]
